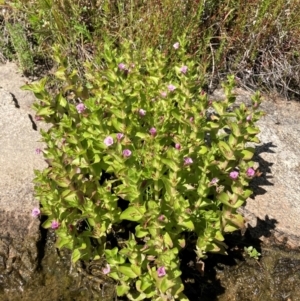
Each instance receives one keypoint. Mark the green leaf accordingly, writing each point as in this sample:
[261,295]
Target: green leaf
[234,219]
[140,232]
[218,107]
[136,269]
[45,111]
[154,79]
[76,254]
[127,271]
[120,114]
[203,150]
[252,130]
[168,186]
[117,125]
[187,224]
[223,198]
[111,253]
[47,224]
[230,228]
[122,289]
[141,135]
[235,129]
[65,241]
[219,236]
[62,101]
[255,140]
[168,240]
[248,153]
[226,150]
[170,163]
[143,283]
[166,284]
[132,213]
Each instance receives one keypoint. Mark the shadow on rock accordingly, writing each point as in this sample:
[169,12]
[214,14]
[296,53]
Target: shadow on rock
[263,175]
[205,284]
[264,227]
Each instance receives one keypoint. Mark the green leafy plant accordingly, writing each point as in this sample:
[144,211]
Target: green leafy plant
[252,252]
[142,164]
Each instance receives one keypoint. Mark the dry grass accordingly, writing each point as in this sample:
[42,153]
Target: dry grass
[254,39]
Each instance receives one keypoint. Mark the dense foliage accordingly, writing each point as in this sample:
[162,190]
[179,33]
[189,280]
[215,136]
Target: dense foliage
[143,164]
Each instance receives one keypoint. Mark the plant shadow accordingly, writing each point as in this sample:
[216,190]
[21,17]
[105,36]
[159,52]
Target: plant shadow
[205,284]
[264,174]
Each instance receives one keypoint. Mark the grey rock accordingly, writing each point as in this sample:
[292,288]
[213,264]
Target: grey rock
[19,138]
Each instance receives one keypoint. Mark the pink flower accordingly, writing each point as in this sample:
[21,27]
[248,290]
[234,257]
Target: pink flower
[163,94]
[184,69]
[153,131]
[214,181]
[38,118]
[176,45]
[161,271]
[121,66]
[120,136]
[38,151]
[54,225]
[177,146]
[188,161]
[234,175]
[126,153]
[171,88]
[249,118]
[80,108]
[191,119]
[250,172]
[35,212]
[106,270]
[142,112]
[161,217]
[108,141]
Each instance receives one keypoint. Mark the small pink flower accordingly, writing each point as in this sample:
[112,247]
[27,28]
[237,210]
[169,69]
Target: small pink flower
[191,119]
[120,136]
[176,45]
[126,153]
[161,271]
[163,94]
[35,212]
[54,225]
[177,146]
[161,217]
[188,161]
[106,270]
[153,131]
[38,118]
[80,108]
[142,112]
[249,118]
[250,172]
[38,151]
[121,66]
[108,141]
[184,69]
[234,175]
[171,88]
[214,181]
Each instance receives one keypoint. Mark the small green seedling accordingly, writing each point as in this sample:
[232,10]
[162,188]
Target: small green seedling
[252,252]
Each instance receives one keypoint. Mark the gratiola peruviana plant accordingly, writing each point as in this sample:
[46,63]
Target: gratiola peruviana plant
[141,152]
